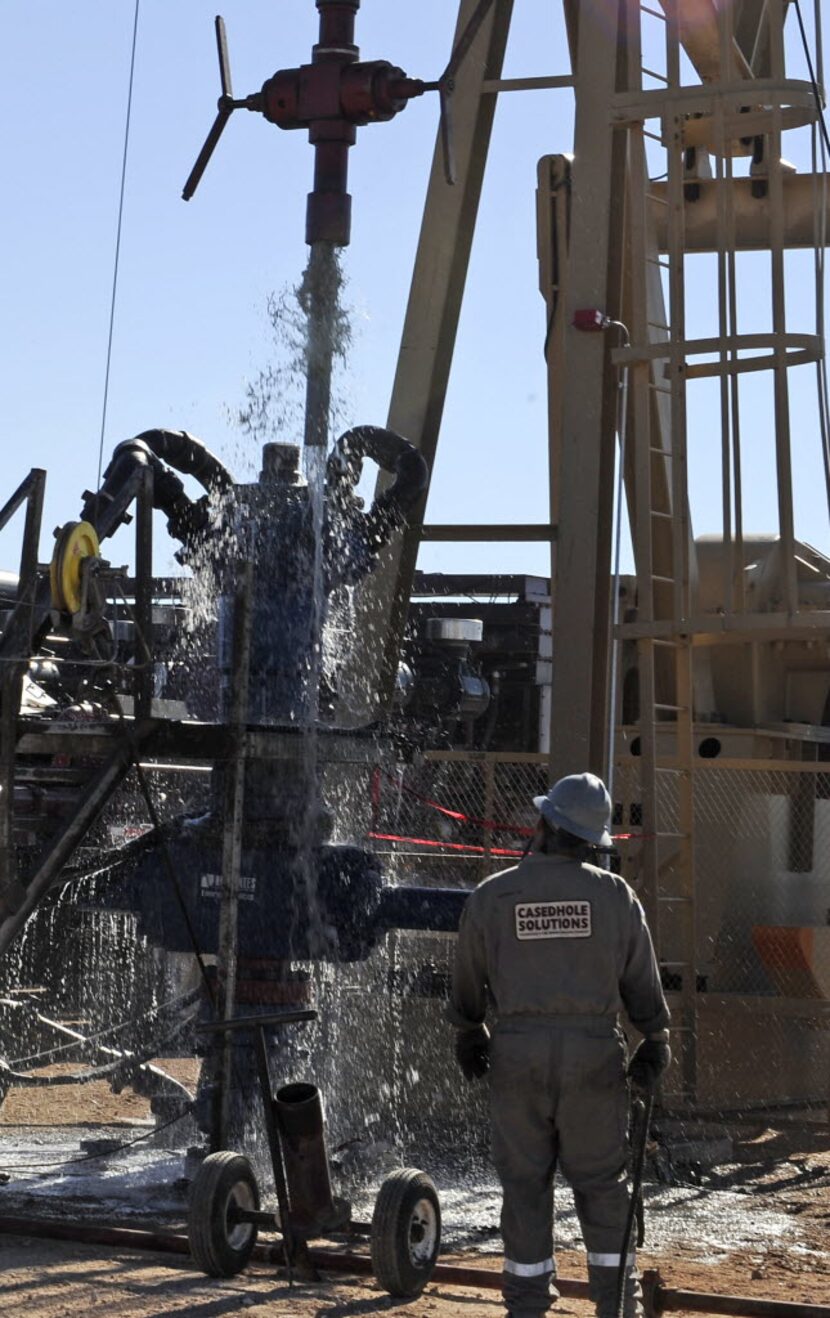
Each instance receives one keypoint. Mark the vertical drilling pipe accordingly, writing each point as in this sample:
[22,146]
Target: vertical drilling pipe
[328,219]
[321,295]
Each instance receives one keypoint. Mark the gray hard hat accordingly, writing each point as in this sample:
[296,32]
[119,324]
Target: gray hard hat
[581,805]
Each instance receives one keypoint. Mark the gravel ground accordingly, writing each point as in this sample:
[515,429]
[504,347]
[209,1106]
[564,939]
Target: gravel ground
[755,1224]
[57,1280]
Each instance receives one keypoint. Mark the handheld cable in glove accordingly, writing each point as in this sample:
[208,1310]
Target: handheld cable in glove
[472,1052]
[648,1062]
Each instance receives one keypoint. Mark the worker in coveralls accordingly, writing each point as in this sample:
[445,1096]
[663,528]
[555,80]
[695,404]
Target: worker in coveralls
[555,947]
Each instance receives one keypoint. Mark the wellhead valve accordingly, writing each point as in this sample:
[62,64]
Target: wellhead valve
[331,97]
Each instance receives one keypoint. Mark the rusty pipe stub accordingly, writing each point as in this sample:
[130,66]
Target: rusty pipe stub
[298,1109]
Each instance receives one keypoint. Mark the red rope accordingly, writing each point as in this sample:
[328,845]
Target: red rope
[479,851]
[492,825]
[450,846]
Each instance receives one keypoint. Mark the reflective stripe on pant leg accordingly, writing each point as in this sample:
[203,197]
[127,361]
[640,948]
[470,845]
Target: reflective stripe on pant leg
[610,1260]
[527,1288]
[526,1281]
[529,1269]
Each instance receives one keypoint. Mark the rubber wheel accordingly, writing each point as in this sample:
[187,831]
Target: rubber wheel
[220,1246]
[406,1232]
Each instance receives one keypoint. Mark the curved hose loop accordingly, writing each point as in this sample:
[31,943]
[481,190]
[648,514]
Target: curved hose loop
[354,538]
[393,454]
[188,454]
[186,517]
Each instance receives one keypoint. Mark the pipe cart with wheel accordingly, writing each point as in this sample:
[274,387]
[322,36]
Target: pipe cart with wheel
[225,1217]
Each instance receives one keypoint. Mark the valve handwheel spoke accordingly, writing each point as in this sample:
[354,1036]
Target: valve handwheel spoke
[361,93]
[224,58]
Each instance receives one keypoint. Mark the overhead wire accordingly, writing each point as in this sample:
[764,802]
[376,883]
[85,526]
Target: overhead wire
[812,74]
[117,258]
[820,151]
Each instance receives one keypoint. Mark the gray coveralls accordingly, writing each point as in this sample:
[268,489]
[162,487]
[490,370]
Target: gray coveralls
[557,947]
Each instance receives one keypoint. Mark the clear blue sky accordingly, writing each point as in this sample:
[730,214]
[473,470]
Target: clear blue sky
[190,326]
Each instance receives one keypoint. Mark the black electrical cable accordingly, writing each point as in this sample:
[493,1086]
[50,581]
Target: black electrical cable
[163,847]
[824,418]
[180,1000]
[811,70]
[646,1106]
[171,874]
[96,1157]
[133,1061]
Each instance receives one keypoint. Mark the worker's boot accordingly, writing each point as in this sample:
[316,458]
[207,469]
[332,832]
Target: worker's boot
[534,1305]
[603,1290]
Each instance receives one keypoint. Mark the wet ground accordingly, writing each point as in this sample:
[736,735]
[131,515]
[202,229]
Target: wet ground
[745,1211]
[742,1206]
[759,1224]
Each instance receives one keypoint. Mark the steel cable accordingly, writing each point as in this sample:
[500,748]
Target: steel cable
[821,140]
[181,999]
[117,258]
[96,1157]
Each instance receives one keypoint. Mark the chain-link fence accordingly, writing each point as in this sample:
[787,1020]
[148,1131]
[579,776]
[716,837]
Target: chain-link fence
[748,927]
[454,818]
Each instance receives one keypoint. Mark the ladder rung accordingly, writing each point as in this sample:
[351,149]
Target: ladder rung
[671,834]
[673,709]
[666,581]
[658,324]
[655,13]
[659,389]
[664,452]
[668,517]
[675,965]
[661,77]
[659,201]
[656,260]
[674,900]
[659,640]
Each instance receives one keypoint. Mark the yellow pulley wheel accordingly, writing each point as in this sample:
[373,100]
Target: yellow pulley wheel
[76,541]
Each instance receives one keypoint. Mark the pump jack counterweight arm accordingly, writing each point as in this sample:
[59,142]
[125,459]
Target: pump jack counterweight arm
[462,46]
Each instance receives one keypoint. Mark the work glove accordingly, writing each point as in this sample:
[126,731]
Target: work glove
[648,1062]
[472,1052]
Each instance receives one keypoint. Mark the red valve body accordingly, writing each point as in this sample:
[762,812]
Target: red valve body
[352,94]
[332,97]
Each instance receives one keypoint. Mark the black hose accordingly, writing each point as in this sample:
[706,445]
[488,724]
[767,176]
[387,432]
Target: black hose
[636,1190]
[186,518]
[354,538]
[189,455]
[393,454]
